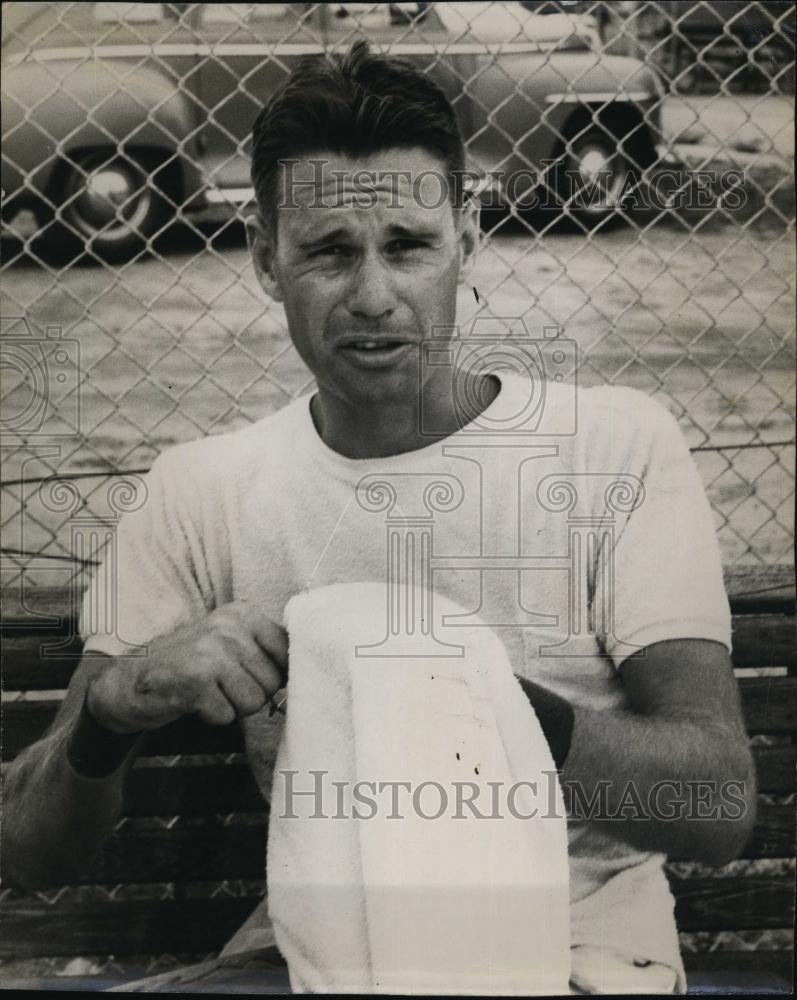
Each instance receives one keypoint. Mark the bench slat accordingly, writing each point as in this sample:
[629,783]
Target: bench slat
[180,854]
[773,834]
[191,791]
[733,904]
[754,590]
[776,768]
[24,722]
[770,704]
[189,852]
[728,972]
[764,641]
[230,787]
[33,929]
[27,666]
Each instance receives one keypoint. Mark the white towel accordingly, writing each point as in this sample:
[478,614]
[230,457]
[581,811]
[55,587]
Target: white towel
[450,904]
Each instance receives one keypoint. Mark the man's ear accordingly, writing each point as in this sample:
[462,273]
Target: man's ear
[262,248]
[470,235]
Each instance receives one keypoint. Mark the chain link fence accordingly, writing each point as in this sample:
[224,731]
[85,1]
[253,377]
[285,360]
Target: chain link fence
[131,318]
[654,225]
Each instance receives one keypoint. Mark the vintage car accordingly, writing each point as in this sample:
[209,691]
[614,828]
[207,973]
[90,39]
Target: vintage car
[117,117]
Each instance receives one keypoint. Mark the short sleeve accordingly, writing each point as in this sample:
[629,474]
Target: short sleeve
[148,582]
[666,574]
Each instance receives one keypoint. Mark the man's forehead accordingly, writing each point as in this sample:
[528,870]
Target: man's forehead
[409,182]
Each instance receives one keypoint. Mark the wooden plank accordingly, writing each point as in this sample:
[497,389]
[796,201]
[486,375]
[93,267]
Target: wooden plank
[209,850]
[770,704]
[39,609]
[734,904]
[32,928]
[26,721]
[760,589]
[231,788]
[180,854]
[773,835]
[227,788]
[30,663]
[191,791]
[776,768]
[750,972]
[764,641]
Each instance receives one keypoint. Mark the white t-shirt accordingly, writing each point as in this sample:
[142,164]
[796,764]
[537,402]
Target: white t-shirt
[579,545]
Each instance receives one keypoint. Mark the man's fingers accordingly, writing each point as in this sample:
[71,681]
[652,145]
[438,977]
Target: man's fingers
[271,637]
[245,694]
[214,707]
[274,640]
[226,667]
[239,652]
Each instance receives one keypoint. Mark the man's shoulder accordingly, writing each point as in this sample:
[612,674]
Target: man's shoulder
[629,410]
[625,429]
[608,413]
[231,457]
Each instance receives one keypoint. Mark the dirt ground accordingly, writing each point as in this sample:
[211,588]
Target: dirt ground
[175,347]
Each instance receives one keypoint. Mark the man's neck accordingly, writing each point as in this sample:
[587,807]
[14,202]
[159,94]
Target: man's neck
[376,432]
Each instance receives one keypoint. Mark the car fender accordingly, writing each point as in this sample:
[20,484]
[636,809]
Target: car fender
[89,105]
[522,103]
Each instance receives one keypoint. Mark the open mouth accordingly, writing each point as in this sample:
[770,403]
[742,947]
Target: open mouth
[374,345]
[373,353]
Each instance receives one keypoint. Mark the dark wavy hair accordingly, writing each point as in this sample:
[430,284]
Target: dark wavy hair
[354,105]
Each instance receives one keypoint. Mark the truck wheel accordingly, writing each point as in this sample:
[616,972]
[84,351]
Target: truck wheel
[592,178]
[111,205]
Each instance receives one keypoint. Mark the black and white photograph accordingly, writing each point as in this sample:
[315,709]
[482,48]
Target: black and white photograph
[397,417]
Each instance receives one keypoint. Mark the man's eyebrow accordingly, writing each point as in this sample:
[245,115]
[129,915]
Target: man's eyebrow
[415,232]
[339,232]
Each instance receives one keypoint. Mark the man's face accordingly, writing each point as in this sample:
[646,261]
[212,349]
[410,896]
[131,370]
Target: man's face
[366,268]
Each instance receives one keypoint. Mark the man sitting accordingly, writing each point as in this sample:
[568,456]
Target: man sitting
[638,701]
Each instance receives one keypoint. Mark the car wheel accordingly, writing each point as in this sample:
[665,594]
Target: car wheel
[110,205]
[592,179]
[687,80]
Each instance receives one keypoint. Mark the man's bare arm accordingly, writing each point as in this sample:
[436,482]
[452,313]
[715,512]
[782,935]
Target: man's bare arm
[681,749]
[60,798]
[55,818]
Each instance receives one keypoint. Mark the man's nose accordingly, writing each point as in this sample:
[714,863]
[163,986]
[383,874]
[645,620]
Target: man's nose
[372,291]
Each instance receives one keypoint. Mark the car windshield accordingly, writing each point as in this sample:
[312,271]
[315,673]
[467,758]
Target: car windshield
[243,13]
[137,13]
[493,22]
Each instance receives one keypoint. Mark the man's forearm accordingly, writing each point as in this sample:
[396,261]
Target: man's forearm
[683,787]
[61,798]
[686,788]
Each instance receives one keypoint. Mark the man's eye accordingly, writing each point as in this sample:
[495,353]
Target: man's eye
[333,250]
[405,245]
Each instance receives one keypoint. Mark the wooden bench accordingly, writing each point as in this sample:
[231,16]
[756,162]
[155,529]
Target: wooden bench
[185,866]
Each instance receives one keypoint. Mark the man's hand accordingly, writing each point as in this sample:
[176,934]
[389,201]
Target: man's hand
[229,665]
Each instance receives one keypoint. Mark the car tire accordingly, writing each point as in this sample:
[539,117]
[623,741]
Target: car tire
[686,82]
[110,206]
[592,177]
